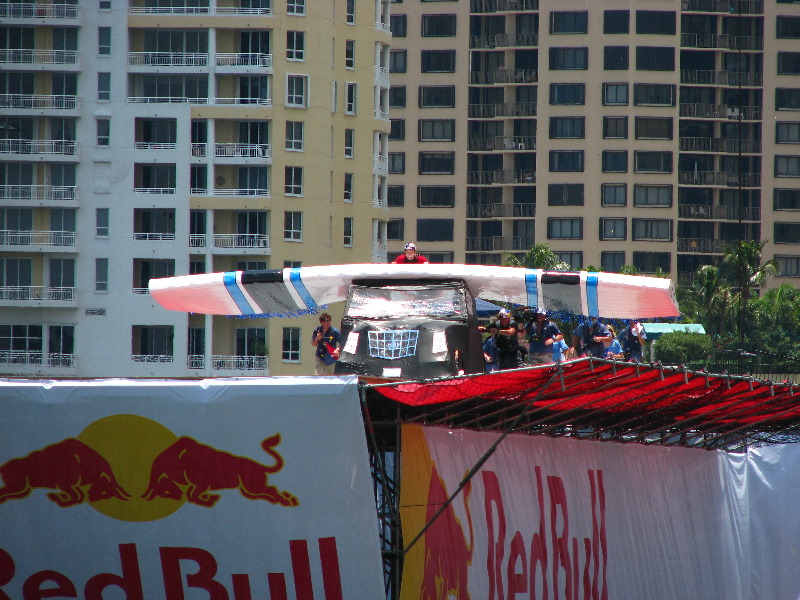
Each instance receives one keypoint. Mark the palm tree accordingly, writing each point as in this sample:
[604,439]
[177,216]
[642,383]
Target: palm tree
[709,300]
[539,256]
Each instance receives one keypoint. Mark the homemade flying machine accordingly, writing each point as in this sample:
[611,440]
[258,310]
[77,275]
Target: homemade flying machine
[413,321]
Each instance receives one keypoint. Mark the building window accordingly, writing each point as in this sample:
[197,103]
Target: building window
[567,127]
[350,54]
[395,229]
[152,340]
[652,195]
[614,194]
[436,196]
[103,132]
[397,131]
[615,161]
[438,25]
[290,346]
[297,91]
[788,63]
[573,259]
[437,96]
[566,59]
[612,262]
[435,230]
[615,128]
[786,199]
[294,136]
[616,21]
[198,266]
[349,143]
[437,163]
[24,340]
[655,58]
[787,132]
[565,194]
[350,12]
[615,94]
[568,22]
[101,274]
[396,196]
[652,162]
[566,160]
[295,45]
[652,262]
[615,58]
[653,94]
[786,233]
[104,41]
[104,86]
[613,228]
[104,5]
[296,7]
[397,25]
[652,230]
[787,99]
[348,187]
[347,238]
[397,162]
[788,266]
[438,61]
[567,93]
[101,219]
[787,28]
[655,22]
[397,61]
[437,130]
[787,166]
[293,226]
[397,96]
[293,181]
[651,128]
[351,100]
[564,229]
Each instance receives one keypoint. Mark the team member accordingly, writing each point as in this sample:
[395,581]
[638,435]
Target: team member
[633,339]
[326,339]
[589,337]
[410,256]
[541,334]
[506,338]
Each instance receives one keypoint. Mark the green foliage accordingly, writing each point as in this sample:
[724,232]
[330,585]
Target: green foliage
[683,347]
[629,270]
[539,256]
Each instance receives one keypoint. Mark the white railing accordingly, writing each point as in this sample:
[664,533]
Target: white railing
[382,76]
[380,26]
[60,360]
[380,162]
[165,100]
[28,56]
[378,202]
[38,101]
[197,240]
[152,358]
[168,59]
[20,357]
[195,361]
[155,145]
[241,192]
[381,114]
[10,237]
[32,10]
[37,146]
[199,149]
[148,190]
[222,362]
[38,192]
[241,240]
[141,291]
[260,101]
[154,237]
[36,292]
[242,150]
[198,10]
[243,59]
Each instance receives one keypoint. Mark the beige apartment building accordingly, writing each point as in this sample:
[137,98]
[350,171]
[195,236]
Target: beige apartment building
[649,132]
[154,138]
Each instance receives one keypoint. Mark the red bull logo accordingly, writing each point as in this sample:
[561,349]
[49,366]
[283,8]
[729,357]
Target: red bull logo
[134,469]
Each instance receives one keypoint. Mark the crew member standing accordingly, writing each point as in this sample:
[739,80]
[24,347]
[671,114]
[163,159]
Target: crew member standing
[326,339]
[410,256]
[541,334]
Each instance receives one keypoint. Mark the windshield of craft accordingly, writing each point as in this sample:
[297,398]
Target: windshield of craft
[406,301]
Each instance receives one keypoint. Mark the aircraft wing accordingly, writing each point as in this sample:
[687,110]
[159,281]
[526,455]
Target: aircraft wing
[298,291]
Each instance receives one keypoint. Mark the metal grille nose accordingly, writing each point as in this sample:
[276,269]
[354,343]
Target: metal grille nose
[393,344]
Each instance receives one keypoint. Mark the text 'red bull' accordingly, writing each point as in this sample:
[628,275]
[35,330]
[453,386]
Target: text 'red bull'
[177,579]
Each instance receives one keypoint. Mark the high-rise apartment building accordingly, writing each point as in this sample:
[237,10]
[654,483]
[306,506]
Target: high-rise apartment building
[645,132]
[153,138]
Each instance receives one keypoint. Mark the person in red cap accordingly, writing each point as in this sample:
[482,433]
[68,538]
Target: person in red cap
[410,256]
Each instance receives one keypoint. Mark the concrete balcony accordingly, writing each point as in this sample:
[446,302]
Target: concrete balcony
[503,143]
[381,114]
[10,237]
[719,213]
[494,244]
[382,77]
[704,144]
[720,111]
[153,237]
[503,40]
[492,6]
[732,78]
[36,293]
[501,211]
[241,241]
[384,27]
[166,100]
[221,362]
[243,59]
[155,146]
[721,41]
[502,109]
[8,146]
[152,358]
[38,101]
[242,101]
[732,7]
[719,179]
[504,76]
[33,10]
[25,56]
[701,245]
[168,59]
[199,10]
[235,150]
[38,193]
[501,177]
[378,202]
[380,164]
[154,190]
[241,192]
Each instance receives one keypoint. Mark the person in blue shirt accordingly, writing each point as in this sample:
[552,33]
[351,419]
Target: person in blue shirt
[633,339]
[613,347]
[490,355]
[588,338]
[326,339]
[559,349]
[542,333]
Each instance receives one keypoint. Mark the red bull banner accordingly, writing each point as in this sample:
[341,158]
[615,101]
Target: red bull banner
[564,518]
[238,489]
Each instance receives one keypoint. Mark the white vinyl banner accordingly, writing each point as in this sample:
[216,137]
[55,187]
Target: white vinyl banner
[238,489]
[562,518]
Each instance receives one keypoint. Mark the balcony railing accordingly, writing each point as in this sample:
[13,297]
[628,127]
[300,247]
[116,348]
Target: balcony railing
[166,100]
[502,109]
[737,78]
[491,6]
[38,101]
[234,150]
[745,7]
[382,76]
[168,59]
[199,149]
[199,10]
[378,202]
[153,190]
[154,237]
[719,178]
[502,40]
[36,292]
[197,240]
[380,162]
[241,240]
[152,358]
[381,26]
[220,362]
[195,361]
[379,113]
[37,146]
[500,177]
[721,213]
[241,192]
[499,211]
[495,243]
[506,143]
[705,144]
[10,237]
[21,357]
[507,76]
[28,56]
[228,101]
[702,245]
[720,111]
[32,10]
[38,192]
[155,145]
[722,41]
[243,59]
[61,360]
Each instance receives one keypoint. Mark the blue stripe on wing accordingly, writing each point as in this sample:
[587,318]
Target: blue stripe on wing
[229,279]
[591,294]
[531,288]
[300,288]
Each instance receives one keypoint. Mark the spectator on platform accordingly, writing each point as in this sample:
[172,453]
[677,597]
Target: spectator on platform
[506,333]
[541,334]
[588,338]
[633,339]
[613,349]
[410,256]
[326,339]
